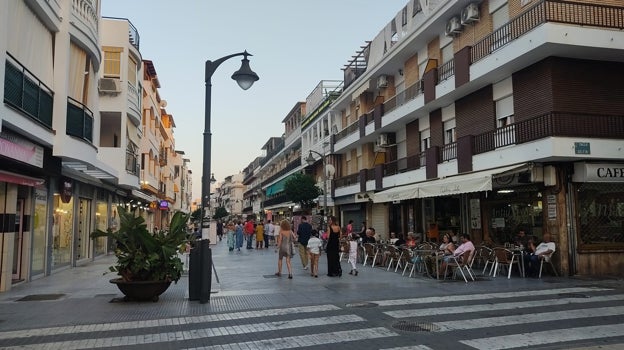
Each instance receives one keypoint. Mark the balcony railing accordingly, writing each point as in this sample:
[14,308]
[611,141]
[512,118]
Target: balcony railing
[448,152]
[348,180]
[132,163]
[446,70]
[26,93]
[291,166]
[553,124]
[549,11]
[79,120]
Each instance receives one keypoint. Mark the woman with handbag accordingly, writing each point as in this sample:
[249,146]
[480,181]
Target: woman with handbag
[284,247]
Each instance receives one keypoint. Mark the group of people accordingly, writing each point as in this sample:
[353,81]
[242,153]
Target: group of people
[238,232]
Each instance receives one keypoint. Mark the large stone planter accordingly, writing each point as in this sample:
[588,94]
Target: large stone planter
[141,290]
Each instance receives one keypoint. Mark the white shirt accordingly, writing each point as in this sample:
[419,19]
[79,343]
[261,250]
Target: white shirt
[314,245]
[270,229]
[544,247]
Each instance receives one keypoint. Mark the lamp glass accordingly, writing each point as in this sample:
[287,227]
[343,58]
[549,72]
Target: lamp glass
[245,77]
[310,159]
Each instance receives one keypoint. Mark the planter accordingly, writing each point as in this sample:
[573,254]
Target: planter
[141,290]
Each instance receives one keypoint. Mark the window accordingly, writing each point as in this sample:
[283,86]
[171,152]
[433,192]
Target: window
[425,139]
[447,52]
[449,131]
[112,62]
[132,71]
[417,8]
[504,111]
[404,16]
[500,17]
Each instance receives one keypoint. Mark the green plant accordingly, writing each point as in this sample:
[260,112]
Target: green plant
[145,256]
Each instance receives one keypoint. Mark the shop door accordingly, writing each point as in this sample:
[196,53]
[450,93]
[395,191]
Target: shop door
[18,247]
[84,228]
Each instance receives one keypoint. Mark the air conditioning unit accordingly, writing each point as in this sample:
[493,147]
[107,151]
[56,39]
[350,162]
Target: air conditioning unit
[453,26]
[109,85]
[382,140]
[382,81]
[470,14]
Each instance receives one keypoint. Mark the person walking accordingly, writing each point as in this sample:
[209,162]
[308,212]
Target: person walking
[304,232]
[353,249]
[259,235]
[239,235]
[230,230]
[266,236]
[284,247]
[249,232]
[270,231]
[220,229]
[314,250]
[333,248]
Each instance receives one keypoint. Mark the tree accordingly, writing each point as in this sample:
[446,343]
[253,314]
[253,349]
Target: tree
[196,216]
[301,188]
[220,212]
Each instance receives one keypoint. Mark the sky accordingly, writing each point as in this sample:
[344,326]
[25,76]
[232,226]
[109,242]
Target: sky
[295,44]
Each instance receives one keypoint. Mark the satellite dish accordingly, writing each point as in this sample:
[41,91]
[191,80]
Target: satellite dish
[163,103]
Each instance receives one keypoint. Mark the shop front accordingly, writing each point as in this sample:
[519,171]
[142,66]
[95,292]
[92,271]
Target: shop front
[599,219]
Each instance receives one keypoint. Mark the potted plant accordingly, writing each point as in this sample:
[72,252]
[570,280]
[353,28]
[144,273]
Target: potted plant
[147,262]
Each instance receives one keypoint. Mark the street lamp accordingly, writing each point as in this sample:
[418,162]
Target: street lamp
[245,78]
[201,261]
[310,160]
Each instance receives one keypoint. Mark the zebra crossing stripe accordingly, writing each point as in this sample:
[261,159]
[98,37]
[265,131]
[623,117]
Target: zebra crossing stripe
[501,321]
[140,339]
[501,306]
[307,340]
[547,337]
[103,327]
[428,300]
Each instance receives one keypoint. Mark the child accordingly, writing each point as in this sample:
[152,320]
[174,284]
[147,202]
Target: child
[353,248]
[314,251]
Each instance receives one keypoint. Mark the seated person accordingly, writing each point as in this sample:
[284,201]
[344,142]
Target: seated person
[410,242]
[535,254]
[465,246]
[399,241]
[521,239]
[445,249]
[369,236]
[393,238]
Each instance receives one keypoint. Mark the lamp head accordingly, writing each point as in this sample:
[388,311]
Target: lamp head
[245,77]
[212,179]
[310,159]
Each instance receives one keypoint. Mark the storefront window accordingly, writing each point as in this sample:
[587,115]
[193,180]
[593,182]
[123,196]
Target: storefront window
[101,218]
[514,211]
[39,232]
[601,214]
[62,232]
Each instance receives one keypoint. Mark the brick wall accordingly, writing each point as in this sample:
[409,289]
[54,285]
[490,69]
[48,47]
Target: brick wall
[476,31]
[412,138]
[436,127]
[433,49]
[532,91]
[410,71]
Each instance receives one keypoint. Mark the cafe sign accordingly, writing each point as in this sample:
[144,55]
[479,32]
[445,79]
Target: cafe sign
[598,172]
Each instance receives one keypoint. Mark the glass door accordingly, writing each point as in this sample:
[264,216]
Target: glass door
[18,247]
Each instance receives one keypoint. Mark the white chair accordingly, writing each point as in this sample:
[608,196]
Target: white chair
[461,264]
[548,260]
[505,258]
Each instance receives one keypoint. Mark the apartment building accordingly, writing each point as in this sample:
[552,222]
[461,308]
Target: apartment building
[485,117]
[70,135]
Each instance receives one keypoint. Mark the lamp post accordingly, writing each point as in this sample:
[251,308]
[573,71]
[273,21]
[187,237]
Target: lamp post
[245,78]
[310,160]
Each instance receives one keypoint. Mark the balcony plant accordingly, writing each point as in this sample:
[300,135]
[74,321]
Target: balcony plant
[147,262]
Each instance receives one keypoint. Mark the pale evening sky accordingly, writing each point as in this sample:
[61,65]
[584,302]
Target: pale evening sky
[295,44]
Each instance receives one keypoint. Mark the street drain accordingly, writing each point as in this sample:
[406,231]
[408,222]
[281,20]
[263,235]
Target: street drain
[361,305]
[414,326]
[41,297]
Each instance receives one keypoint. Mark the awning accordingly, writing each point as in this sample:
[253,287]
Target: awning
[143,196]
[6,176]
[473,182]
[397,193]
[465,183]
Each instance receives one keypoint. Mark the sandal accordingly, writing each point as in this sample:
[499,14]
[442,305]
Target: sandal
[278,274]
[290,277]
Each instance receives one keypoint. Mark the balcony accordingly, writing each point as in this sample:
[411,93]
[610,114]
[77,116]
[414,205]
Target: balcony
[24,92]
[79,120]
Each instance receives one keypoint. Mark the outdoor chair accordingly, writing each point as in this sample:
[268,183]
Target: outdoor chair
[392,255]
[548,260]
[461,264]
[344,250]
[406,260]
[370,254]
[505,258]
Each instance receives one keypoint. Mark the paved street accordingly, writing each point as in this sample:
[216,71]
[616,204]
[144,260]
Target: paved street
[252,309]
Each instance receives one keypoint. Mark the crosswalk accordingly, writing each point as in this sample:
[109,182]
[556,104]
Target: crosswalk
[553,318]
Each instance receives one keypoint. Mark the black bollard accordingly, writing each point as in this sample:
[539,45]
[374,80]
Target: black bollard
[206,271]
[194,281]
